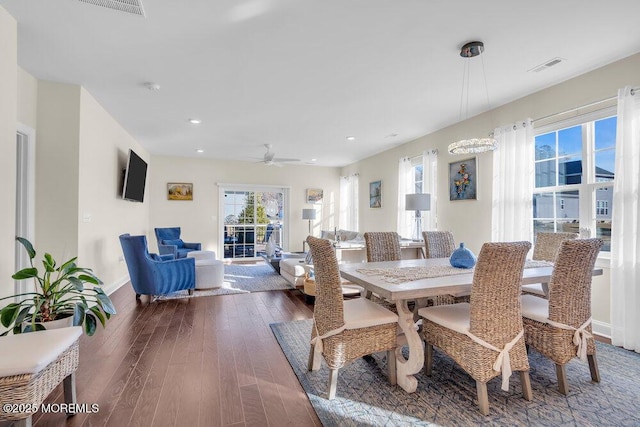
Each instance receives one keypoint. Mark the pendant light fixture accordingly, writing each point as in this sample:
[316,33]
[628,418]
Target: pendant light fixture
[471,145]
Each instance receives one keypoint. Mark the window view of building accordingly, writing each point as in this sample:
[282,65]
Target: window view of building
[574,173]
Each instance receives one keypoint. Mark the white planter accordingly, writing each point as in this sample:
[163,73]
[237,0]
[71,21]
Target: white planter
[65,322]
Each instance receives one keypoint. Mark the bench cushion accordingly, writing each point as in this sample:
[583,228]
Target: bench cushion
[31,352]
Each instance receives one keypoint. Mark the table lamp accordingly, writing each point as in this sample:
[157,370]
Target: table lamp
[309,214]
[418,202]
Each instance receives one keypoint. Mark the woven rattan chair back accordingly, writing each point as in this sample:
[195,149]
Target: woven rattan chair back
[438,244]
[495,293]
[570,285]
[328,311]
[547,245]
[382,246]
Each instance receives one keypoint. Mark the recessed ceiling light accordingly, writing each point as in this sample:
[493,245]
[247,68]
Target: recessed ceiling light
[314,160]
[351,138]
[199,150]
[195,121]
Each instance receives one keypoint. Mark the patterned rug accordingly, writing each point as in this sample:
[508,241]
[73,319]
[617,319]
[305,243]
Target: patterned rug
[241,279]
[365,398]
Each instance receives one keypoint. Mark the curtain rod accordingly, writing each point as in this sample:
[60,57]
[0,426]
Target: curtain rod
[633,92]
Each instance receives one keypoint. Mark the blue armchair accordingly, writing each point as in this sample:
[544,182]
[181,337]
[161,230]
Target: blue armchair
[153,274]
[169,242]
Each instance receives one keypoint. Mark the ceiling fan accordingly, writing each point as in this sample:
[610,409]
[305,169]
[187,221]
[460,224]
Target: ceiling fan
[269,158]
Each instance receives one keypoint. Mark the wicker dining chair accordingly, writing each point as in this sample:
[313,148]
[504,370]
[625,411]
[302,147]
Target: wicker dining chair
[480,334]
[546,248]
[440,244]
[345,330]
[560,327]
[382,246]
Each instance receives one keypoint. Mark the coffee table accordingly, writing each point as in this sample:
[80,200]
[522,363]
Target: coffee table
[273,261]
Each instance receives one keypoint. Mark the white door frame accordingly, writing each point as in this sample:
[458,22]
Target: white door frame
[25,197]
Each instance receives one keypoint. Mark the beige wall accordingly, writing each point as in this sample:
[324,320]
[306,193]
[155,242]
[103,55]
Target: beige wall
[470,221]
[27,99]
[57,156]
[8,115]
[199,218]
[80,154]
[102,213]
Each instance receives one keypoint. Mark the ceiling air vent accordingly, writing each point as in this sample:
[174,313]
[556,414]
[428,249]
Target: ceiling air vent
[129,6]
[549,63]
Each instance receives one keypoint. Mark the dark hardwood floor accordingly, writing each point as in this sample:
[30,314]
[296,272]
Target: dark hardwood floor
[206,361]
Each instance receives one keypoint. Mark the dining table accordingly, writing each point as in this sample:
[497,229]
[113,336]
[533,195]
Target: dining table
[417,280]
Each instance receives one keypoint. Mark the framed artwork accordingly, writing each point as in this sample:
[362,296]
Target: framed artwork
[179,191]
[314,195]
[375,194]
[463,178]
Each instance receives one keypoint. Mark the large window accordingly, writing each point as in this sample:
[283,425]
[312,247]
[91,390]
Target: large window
[251,219]
[575,169]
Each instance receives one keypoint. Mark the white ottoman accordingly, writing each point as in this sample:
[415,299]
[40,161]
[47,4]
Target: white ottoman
[209,271]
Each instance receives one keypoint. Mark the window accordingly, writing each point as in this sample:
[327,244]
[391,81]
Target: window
[410,181]
[349,202]
[574,173]
[251,217]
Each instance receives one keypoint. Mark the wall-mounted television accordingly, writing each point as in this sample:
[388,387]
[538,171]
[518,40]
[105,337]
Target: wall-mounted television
[134,178]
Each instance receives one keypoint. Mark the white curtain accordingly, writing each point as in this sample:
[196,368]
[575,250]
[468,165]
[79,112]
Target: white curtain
[405,186]
[349,202]
[430,177]
[625,242]
[513,183]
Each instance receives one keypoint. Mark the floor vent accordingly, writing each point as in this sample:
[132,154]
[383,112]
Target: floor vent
[549,63]
[129,6]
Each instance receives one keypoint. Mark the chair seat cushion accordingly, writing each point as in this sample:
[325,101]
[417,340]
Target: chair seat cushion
[31,352]
[535,288]
[364,313]
[535,308]
[452,316]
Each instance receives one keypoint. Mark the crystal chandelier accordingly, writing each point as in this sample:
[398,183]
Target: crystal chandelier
[471,145]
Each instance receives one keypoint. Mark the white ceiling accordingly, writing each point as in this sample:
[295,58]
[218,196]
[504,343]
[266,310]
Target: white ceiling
[303,75]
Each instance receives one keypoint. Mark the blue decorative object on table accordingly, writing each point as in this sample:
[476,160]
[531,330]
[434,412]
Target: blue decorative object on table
[462,258]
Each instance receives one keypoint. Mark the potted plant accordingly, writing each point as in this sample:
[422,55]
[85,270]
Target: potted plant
[60,292]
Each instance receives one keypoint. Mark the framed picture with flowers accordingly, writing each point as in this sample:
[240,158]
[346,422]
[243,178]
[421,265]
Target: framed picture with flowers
[463,178]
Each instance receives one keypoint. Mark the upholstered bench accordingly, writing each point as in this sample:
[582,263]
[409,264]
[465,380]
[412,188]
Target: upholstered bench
[349,289]
[209,271]
[31,366]
[294,270]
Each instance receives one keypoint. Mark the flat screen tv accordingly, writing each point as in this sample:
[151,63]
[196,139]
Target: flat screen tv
[134,178]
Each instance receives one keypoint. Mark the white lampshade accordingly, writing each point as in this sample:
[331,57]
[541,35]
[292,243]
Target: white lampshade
[418,202]
[308,214]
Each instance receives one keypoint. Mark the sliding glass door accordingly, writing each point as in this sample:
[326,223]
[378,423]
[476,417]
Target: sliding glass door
[252,216]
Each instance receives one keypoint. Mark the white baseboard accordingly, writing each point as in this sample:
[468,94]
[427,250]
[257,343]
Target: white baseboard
[601,328]
[112,287]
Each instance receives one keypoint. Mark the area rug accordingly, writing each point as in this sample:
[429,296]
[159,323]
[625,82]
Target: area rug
[241,279]
[365,398]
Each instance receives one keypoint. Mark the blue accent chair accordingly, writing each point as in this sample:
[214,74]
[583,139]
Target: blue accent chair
[169,242]
[153,274]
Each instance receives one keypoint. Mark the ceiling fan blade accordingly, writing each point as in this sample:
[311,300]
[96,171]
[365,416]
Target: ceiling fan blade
[278,159]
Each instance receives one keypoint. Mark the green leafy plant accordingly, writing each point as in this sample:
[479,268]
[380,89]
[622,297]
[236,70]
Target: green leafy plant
[60,292]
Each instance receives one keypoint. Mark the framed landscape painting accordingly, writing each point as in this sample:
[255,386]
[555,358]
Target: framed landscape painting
[375,194]
[463,178]
[314,195]
[179,191]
